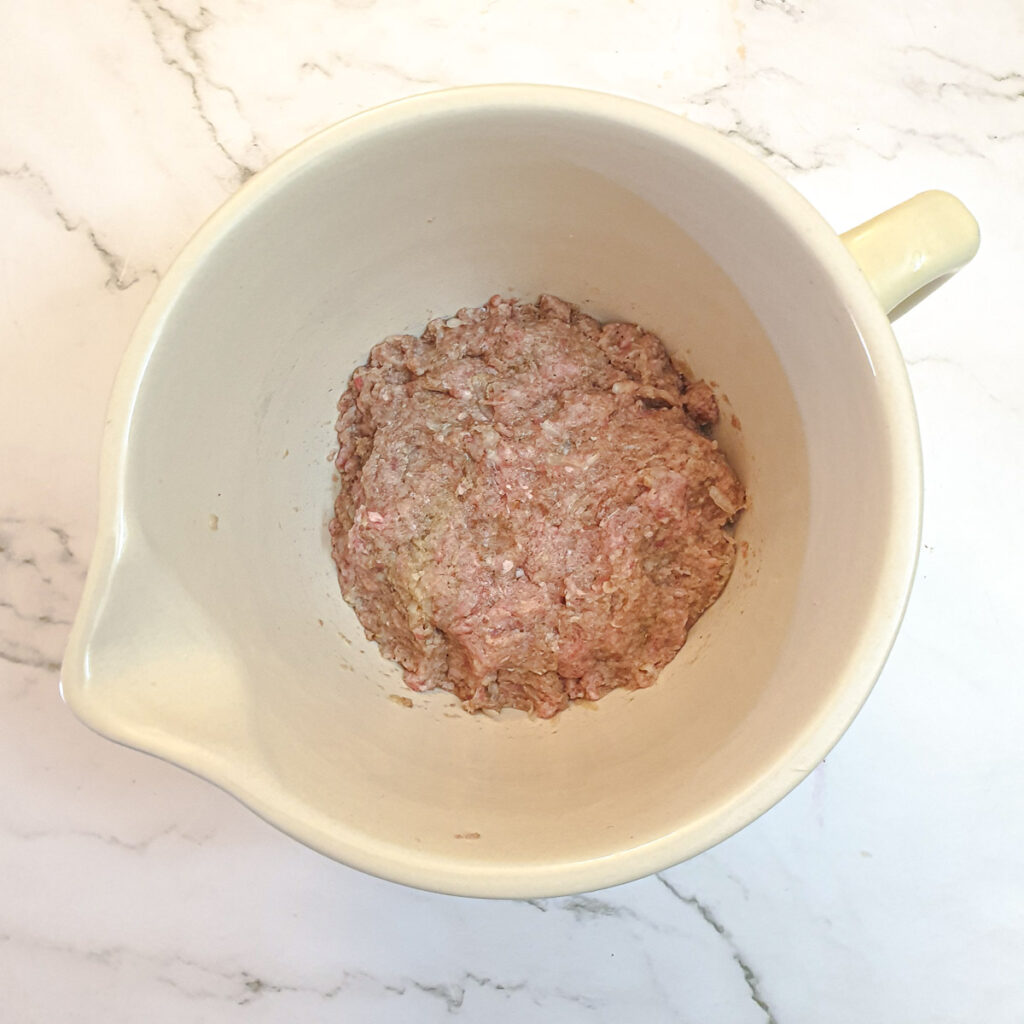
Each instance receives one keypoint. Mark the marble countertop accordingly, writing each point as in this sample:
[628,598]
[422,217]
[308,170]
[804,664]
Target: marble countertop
[886,888]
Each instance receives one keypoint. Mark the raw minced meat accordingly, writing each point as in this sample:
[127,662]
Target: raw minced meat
[530,511]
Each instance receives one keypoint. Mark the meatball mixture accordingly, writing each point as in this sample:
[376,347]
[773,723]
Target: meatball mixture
[530,510]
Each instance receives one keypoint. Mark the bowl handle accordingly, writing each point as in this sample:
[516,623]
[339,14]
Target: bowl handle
[919,243]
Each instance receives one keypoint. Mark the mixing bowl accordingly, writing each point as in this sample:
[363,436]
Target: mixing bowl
[212,632]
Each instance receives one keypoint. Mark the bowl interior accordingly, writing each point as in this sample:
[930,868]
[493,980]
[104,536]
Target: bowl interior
[221,640]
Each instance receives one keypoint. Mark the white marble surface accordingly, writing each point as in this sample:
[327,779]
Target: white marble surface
[887,888]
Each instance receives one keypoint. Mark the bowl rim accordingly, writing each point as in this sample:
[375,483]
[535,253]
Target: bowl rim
[858,675]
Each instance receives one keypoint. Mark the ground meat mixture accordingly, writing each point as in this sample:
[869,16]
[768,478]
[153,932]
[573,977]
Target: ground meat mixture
[529,510]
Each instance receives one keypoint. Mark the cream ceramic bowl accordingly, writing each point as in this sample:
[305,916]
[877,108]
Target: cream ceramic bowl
[212,632]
